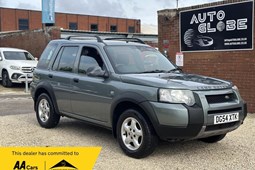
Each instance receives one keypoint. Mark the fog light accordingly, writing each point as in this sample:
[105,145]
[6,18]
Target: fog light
[15,76]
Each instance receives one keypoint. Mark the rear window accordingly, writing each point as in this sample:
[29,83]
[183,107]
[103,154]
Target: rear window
[16,55]
[47,55]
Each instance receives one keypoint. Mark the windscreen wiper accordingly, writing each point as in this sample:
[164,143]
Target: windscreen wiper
[175,69]
[155,71]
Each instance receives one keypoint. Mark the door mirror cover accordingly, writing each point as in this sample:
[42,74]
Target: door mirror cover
[97,71]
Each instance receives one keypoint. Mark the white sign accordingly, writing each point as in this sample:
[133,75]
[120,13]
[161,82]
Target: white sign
[179,59]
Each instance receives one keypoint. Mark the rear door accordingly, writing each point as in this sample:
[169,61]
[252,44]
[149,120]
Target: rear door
[61,75]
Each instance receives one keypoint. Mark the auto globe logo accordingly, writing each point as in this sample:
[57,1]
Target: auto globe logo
[63,165]
[229,25]
[211,22]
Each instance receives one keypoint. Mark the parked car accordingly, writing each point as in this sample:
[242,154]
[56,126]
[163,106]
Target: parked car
[15,65]
[134,90]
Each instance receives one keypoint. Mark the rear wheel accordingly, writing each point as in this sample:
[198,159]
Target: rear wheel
[213,139]
[135,135]
[45,113]
[5,79]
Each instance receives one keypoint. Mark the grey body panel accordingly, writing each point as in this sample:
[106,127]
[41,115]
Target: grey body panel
[91,97]
[62,89]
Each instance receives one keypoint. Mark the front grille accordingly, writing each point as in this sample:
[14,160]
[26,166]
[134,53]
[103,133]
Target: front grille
[238,109]
[223,98]
[221,126]
[28,69]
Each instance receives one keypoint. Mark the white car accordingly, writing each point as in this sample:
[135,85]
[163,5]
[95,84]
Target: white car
[15,65]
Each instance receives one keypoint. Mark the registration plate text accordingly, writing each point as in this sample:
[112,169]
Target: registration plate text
[226,118]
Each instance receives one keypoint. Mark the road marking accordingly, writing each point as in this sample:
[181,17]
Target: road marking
[14,99]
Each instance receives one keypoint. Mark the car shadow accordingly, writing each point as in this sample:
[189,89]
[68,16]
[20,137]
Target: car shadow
[104,137]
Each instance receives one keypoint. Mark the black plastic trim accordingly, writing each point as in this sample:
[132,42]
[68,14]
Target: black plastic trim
[47,87]
[137,100]
[245,110]
[196,121]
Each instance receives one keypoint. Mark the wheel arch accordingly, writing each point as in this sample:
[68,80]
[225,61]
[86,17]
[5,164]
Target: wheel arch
[47,89]
[131,101]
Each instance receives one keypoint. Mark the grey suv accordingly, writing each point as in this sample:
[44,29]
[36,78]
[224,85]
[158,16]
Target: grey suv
[134,90]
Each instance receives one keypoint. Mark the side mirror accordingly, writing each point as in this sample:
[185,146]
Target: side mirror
[97,71]
[1,58]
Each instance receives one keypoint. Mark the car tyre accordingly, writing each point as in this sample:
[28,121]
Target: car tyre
[45,113]
[213,139]
[6,80]
[135,134]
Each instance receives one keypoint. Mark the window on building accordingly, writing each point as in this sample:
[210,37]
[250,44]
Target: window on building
[23,24]
[93,27]
[113,28]
[73,26]
[131,29]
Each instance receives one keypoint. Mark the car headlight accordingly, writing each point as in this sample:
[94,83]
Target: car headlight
[177,96]
[15,67]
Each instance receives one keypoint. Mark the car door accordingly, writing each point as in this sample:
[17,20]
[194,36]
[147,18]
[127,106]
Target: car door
[91,97]
[61,75]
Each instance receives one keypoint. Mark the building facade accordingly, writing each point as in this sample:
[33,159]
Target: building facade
[19,19]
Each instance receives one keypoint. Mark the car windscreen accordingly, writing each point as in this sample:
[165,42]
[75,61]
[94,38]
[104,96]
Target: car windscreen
[17,55]
[131,59]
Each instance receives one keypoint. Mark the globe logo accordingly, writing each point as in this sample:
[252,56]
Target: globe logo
[220,26]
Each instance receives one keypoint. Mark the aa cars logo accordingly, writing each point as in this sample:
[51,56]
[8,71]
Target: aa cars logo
[63,165]
[23,166]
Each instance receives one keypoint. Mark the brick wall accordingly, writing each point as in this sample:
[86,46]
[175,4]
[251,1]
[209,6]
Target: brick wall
[235,66]
[33,41]
[9,21]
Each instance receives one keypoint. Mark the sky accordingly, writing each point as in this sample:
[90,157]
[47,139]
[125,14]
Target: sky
[145,10]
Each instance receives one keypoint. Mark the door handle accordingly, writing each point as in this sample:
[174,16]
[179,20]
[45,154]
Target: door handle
[50,75]
[76,80]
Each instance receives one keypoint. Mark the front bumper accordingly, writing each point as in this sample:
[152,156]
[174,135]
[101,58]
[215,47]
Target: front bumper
[21,77]
[180,122]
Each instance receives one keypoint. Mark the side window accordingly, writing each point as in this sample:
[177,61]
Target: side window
[89,58]
[66,59]
[46,56]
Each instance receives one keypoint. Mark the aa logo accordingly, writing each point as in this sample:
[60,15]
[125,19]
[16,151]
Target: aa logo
[63,165]
[23,166]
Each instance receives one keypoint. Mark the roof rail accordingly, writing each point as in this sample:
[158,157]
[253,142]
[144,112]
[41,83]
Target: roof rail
[85,36]
[137,40]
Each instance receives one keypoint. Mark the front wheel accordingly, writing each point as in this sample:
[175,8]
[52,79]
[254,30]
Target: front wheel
[45,113]
[213,139]
[135,135]
[6,80]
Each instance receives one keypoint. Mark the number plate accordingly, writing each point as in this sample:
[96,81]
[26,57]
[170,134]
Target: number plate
[226,118]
